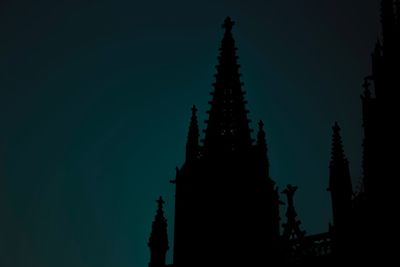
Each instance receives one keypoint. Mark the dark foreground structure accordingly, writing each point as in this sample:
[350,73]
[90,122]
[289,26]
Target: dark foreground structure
[227,205]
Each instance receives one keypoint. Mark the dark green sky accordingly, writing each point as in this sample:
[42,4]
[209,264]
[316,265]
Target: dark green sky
[95,99]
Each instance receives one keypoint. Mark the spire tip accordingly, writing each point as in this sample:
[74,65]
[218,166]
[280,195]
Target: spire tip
[194,109]
[336,126]
[228,24]
[160,201]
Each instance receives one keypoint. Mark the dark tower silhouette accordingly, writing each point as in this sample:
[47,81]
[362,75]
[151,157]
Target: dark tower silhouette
[271,198]
[227,205]
[379,102]
[158,242]
[340,187]
[375,205]
[226,209]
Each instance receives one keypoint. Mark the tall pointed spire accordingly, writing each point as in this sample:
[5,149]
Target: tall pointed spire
[340,184]
[158,242]
[192,145]
[339,165]
[227,128]
[338,158]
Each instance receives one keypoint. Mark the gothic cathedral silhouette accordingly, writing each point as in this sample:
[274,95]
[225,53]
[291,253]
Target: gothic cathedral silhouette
[227,205]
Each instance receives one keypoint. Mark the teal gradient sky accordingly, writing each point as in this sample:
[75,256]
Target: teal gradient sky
[95,101]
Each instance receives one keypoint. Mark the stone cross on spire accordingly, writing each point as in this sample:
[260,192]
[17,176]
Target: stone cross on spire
[228,24]
[158,242]
[160,202]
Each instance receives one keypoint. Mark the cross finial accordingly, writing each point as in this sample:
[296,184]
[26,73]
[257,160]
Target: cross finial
[228,24]
[160,202]
[194,109]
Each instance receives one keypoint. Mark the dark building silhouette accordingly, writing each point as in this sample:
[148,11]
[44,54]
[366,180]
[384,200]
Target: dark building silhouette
[158,242]
[227,205]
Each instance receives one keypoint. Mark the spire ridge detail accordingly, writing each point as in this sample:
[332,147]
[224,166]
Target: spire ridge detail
[227,125]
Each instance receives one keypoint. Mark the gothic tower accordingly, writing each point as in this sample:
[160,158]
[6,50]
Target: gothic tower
[379,106]
[226,205]
[158,242]
[380,142]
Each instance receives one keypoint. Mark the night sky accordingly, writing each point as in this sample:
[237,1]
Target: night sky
[95,101]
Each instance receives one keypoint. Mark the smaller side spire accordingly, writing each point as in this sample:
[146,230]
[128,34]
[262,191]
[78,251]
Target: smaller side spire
[192,145]
[339,179]
[340,184]
[339,166]
[338,158]
[158,242]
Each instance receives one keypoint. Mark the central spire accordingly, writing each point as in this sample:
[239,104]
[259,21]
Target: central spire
[228,126]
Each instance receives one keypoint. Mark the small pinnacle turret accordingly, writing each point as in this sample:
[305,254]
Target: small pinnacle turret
[337,155]
[340,184]
[158,242]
